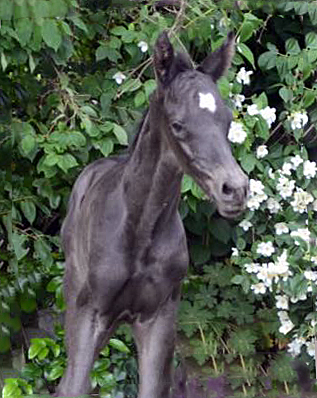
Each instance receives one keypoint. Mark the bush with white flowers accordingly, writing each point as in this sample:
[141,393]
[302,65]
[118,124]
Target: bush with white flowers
[276,240]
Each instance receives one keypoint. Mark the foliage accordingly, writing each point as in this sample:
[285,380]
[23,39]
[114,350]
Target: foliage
[63,104]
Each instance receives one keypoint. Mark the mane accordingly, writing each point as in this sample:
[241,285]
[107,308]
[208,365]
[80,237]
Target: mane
[138,133]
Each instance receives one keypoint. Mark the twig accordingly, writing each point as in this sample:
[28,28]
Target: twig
[179,18]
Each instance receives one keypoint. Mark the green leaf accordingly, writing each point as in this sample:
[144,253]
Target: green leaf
[292,46]
[121,134]
[51,159]
[248,162]
[149,87]
[66,162]
[79,23]
[312,10]
[29,210]
[18,242]
[41,11]
[246,52]
[89,110]
[220,229]
[187,183]
[224,87]
[24,29]
[311,40]
[43,353]
[55,373]
[103,52]
[106,146]
[286,94]
[4,62]
[32,64]
[6,10]
[139,99]
[28,143]
[199,254]
[267,60]
[309,97]
[36,347]
[27,303]
[261,101]
[119,345]
[43,252]
[58,8]
[11,391]
[51,34]
[246,32]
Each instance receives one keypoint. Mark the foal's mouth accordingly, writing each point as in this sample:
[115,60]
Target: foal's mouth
[231,213]
[228,209]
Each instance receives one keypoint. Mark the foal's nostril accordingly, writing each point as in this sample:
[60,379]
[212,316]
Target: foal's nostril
[227,190]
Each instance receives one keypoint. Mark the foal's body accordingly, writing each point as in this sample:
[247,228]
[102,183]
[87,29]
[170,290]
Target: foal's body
[124,241]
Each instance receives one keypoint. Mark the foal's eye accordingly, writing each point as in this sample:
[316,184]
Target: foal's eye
[177,127]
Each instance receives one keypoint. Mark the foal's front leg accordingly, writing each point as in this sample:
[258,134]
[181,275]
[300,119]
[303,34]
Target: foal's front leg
[155,340]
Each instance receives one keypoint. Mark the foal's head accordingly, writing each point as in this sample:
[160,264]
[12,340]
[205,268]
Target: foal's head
[195,121]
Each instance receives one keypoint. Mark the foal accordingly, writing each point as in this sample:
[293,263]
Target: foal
[124,241]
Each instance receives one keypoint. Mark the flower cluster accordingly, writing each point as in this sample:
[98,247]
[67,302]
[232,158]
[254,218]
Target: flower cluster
[298,119]
[279,253]
[268,114]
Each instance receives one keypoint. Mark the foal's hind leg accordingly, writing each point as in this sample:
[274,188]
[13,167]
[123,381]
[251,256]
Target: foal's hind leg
[155,342]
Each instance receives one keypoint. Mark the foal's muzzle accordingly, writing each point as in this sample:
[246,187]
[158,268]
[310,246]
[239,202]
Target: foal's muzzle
[232,196]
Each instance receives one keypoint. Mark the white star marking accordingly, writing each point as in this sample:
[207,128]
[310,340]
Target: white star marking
[207,101]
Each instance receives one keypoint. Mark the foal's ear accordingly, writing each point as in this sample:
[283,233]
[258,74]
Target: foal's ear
[217,63]
[163,58]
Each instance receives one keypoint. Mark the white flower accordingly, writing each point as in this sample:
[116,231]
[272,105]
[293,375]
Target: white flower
[314,259]
[261,151]
[257,195]
[298,119]
[294,348]
[254,202]
[235,252]
[238,99]
[253,110]
[281,269]
[259,288]
[301,200]
[256,187]
[310,275]
[302,233]
[237,134]
[302,297]
[310,347]
[269,115]
[315,205]
[285,187]
[143,46]
[296,160]
[243,76]
[119,77]
[252,267]
[265,249]
[287,168]
[271,173]
[245,225]
[281,302]
[287,324]
[310,169]
[273,206]
[281,228]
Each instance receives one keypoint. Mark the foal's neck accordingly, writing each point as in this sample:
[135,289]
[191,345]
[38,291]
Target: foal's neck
[153,176]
